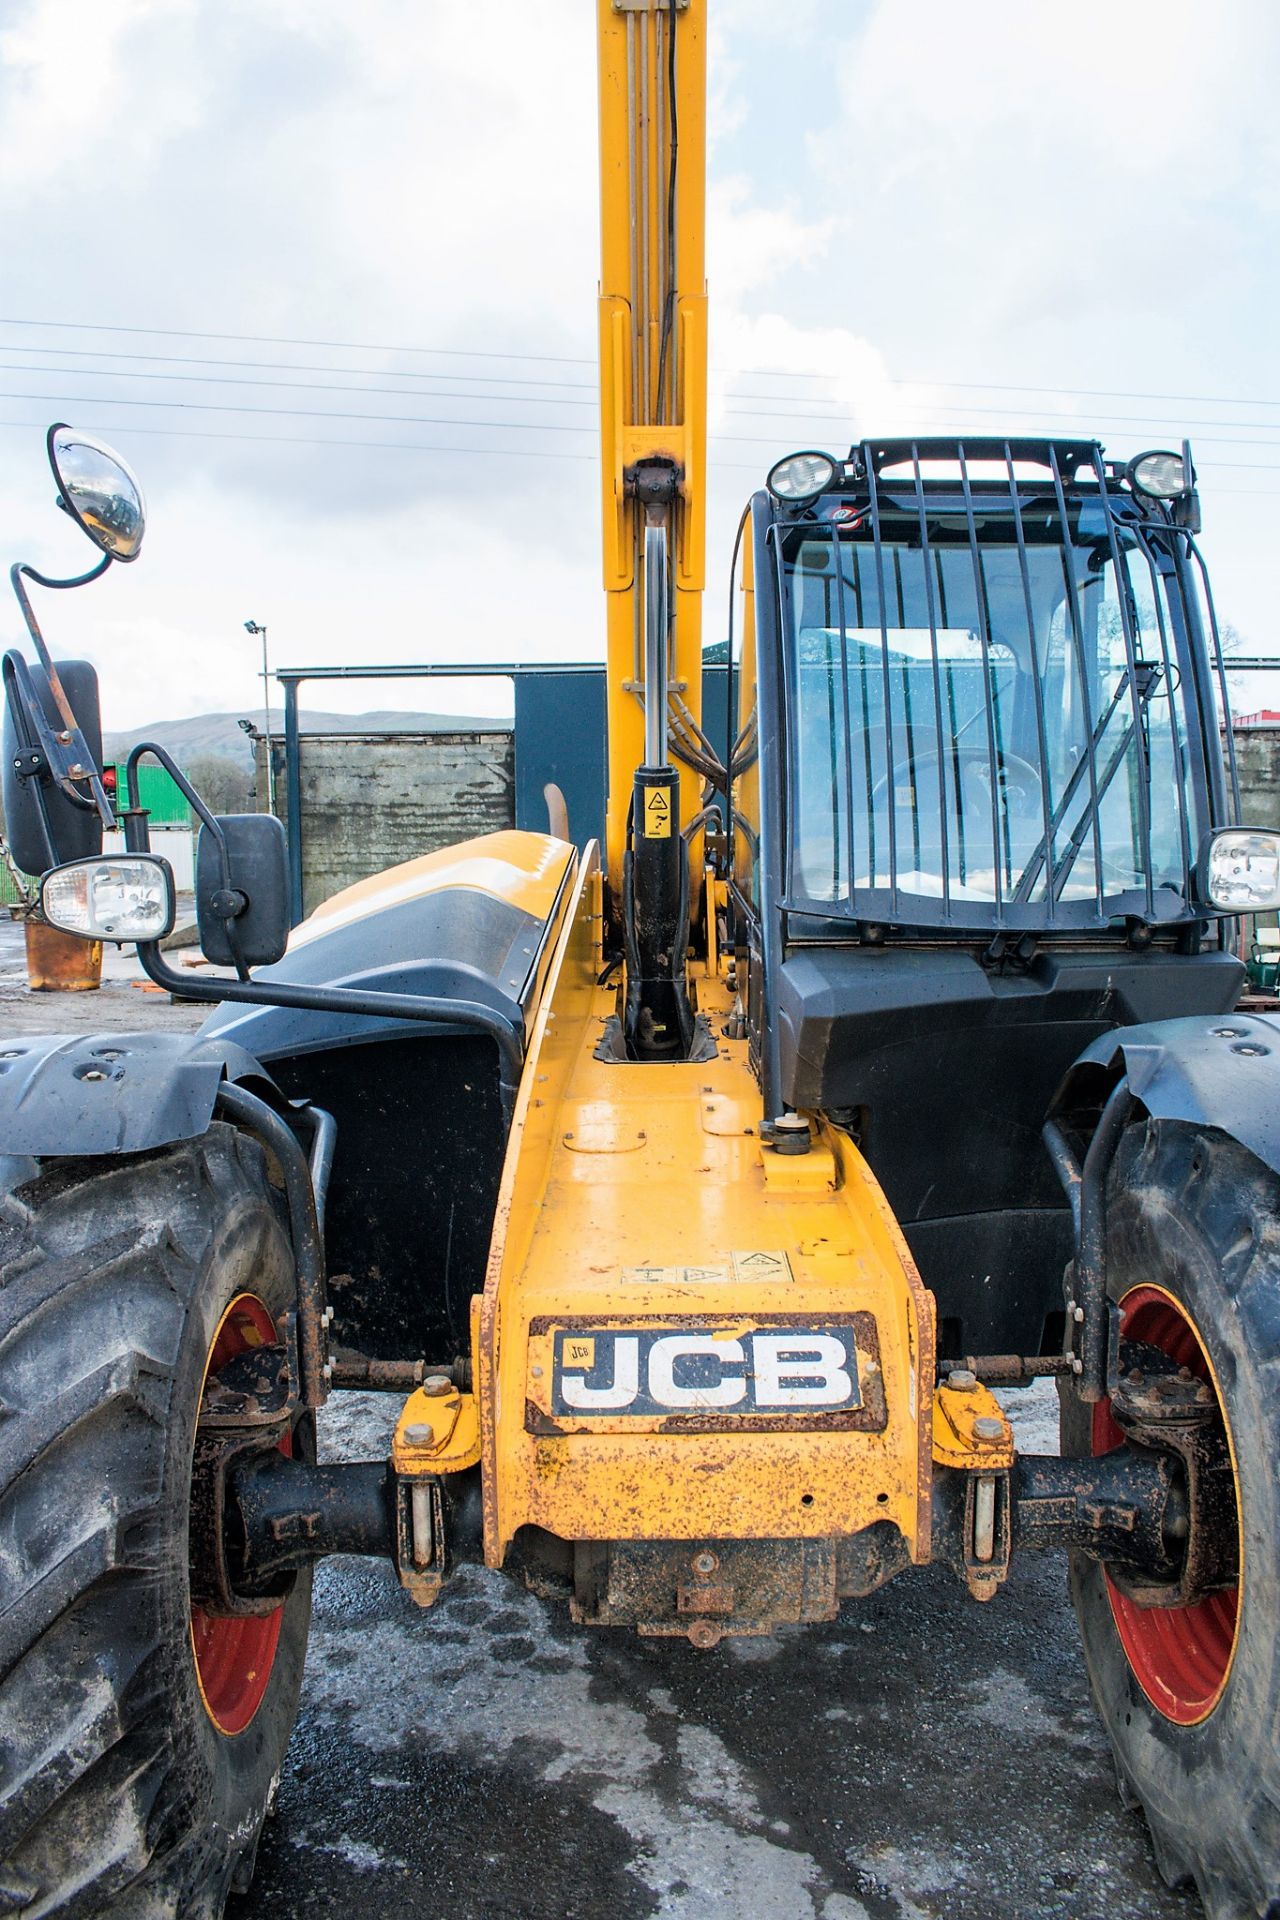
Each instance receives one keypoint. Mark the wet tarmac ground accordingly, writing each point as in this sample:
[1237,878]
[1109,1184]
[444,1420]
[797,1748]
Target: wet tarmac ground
[921,1756]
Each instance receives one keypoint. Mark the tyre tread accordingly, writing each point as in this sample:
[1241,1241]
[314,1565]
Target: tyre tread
[99,1268]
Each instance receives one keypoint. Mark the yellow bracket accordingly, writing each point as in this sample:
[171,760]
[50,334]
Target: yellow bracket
[436,1433]
[800,1173]
[965,1422]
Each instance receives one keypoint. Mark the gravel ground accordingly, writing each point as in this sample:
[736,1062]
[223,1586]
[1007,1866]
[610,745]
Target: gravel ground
[921,1758]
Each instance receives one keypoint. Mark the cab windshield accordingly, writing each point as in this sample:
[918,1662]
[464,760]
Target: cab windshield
[988,716]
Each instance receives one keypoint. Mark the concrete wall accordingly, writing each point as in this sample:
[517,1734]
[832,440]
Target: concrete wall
[1258,759]
[369,802]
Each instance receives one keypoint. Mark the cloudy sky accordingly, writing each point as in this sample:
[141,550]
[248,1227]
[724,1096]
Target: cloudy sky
[326,275]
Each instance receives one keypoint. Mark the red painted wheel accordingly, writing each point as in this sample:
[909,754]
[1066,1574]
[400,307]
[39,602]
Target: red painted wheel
[1180,1656]
[1190,1696]
[234,1657]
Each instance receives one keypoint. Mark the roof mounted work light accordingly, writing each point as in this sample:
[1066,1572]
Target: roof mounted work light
[801,477]
[1161,475]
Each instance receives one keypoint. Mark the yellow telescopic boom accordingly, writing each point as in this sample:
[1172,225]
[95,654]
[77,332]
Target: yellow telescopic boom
[653,363]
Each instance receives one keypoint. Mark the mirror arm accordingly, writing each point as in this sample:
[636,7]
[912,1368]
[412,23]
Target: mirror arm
[77,753]
[184,787]
[207,820]
[432,1010]
[43,580]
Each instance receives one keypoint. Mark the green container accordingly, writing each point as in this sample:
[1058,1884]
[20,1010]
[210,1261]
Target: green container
[157,793]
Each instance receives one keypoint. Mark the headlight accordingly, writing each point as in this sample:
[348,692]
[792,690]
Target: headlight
[801,476]
[126,898]
[1240,870]
[1161,475]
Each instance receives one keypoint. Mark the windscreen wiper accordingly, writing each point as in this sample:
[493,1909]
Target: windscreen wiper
[1145,678]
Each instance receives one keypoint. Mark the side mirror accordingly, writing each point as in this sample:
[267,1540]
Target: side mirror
[31,800]
[99,490]
[257,902]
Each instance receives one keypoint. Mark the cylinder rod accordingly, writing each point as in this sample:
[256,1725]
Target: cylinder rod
[656,631]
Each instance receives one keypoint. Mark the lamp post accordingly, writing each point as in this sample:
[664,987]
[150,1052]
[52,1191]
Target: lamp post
[251,626]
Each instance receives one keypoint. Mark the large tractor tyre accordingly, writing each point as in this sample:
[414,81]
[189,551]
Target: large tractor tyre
[140,1738]
[1191,1696]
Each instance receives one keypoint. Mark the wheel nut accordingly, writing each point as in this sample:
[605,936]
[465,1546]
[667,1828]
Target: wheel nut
[436,1385]
[987,1427]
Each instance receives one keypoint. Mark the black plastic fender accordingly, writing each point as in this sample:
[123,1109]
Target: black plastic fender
[1219,1071]
[74,1095]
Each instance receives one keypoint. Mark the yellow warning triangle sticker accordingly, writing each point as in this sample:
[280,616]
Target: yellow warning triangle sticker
[657,814]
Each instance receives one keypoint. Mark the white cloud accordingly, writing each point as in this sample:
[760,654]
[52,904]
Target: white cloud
[987,192]
[66,93]
[1023,166]
[751,246]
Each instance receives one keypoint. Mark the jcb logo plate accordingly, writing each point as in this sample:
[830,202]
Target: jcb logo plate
[648,1371]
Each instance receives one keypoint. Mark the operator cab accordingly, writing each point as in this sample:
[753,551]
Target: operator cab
[984,679]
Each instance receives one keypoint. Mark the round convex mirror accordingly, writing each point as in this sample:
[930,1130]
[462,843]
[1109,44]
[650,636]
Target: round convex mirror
[99,491]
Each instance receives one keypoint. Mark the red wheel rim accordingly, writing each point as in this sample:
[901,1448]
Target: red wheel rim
[234,1658]
[1180,1656]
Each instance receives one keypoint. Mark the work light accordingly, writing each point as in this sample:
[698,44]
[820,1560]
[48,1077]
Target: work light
[1160,474]
[129,897]
[1240,870]
[801,477]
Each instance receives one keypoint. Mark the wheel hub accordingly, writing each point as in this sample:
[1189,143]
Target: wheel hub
[1179,1636]
[234,1653]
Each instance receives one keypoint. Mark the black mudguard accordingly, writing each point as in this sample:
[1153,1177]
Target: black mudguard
[78,1095]
[1218,1071]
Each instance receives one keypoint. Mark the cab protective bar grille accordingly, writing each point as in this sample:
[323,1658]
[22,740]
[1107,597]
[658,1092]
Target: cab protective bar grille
[1115,729]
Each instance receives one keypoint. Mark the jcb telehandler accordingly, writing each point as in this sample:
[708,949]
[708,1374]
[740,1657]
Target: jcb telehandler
[696,1199]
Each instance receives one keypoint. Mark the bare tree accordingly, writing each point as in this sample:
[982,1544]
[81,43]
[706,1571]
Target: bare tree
[223,785]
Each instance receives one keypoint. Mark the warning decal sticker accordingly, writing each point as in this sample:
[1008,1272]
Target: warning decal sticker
[657,814]
[758,1265]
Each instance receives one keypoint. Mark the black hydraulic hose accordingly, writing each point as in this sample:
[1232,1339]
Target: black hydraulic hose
[252,1115]
[1090,1265]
